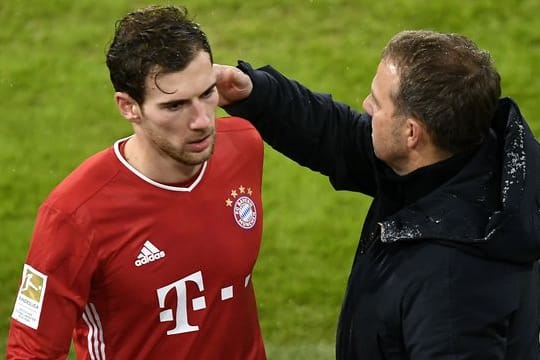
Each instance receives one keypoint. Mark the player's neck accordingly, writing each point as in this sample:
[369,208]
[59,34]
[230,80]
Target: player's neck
[157,167]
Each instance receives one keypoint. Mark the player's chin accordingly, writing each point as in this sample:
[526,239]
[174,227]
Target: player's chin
[199,157]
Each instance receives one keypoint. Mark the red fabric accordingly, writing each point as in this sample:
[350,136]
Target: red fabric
[92,229]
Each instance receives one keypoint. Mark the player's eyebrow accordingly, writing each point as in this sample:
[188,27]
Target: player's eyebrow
[185,101]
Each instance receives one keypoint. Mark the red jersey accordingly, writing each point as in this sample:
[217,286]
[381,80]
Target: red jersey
[134,269]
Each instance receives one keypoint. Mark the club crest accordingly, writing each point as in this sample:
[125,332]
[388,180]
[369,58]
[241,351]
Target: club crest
[244,209]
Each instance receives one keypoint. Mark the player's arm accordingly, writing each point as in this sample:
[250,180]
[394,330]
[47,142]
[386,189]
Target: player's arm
[53,290]
[308,127]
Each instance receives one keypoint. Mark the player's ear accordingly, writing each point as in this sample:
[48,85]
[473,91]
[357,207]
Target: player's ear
[128,107]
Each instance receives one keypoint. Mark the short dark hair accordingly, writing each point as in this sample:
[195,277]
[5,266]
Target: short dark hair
[446,82]
[156,39]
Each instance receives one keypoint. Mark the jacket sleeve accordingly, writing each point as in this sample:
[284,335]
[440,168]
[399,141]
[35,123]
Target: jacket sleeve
[463,313]
[53,291]
[310,128]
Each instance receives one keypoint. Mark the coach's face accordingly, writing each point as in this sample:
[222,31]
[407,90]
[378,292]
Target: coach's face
[388,130]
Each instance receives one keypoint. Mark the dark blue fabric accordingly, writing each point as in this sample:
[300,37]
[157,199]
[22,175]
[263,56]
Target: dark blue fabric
[446,266]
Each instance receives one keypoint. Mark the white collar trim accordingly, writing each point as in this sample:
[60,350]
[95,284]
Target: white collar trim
[150,181]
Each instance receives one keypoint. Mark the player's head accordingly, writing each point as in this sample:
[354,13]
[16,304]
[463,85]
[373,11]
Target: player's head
[152,41]
[162,70]
[446,82]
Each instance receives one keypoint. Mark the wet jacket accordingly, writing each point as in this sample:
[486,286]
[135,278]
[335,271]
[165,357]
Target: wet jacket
[446,266]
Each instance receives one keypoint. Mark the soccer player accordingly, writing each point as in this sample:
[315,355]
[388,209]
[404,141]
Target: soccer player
[146,250]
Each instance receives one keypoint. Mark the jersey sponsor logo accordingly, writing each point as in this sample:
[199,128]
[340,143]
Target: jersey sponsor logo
[149,253]
[188,298]
[179,316]
[244,209]
[29,301]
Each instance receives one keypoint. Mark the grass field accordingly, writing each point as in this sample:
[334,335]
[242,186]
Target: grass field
[57,108]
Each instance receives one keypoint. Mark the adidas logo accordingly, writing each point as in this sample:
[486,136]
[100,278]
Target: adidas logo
[149,253]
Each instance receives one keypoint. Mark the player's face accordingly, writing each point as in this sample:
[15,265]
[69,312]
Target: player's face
[387,129]
[178,114]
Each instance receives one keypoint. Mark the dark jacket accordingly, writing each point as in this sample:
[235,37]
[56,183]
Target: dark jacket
[446,265]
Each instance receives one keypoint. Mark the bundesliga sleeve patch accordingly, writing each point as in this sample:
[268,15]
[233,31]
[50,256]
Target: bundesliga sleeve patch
[29,301]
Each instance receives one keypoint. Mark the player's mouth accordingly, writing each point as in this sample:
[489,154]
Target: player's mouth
[200,145]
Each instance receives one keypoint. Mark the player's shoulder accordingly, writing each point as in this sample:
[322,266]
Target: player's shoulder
[84,181]
[233,123]
[236,134]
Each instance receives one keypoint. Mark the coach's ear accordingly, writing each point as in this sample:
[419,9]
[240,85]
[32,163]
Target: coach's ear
[416,132]
[128,107]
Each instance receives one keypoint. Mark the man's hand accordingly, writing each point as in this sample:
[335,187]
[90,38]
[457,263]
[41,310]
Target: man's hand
[232,84]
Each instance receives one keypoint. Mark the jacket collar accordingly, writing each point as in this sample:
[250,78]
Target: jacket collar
[493,199]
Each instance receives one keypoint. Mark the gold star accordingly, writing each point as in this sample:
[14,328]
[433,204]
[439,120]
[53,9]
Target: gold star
[234,194]
[228,202]
[242,189]
[249,191]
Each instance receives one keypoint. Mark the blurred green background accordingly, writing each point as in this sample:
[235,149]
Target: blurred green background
[56,109]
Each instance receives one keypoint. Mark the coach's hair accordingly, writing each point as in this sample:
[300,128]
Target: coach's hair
[446,82]
[153,40]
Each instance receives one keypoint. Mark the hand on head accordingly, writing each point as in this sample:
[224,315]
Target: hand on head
[232,84]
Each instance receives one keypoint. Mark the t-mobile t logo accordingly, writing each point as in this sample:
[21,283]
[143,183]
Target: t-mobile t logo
[198,303]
